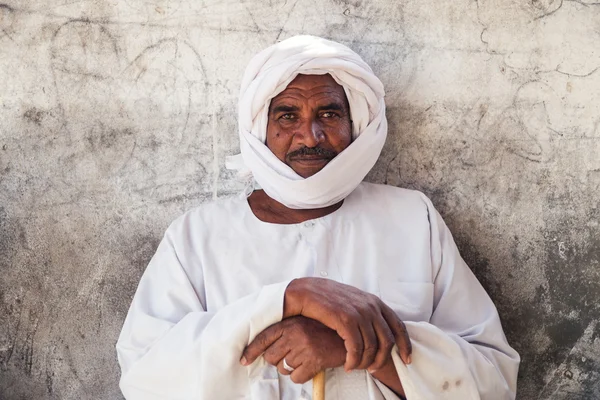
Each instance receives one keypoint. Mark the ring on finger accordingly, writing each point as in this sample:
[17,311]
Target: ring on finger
[287,367]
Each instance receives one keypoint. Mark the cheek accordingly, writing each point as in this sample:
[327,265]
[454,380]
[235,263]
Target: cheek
[278,142]
[341,136]
[348,136]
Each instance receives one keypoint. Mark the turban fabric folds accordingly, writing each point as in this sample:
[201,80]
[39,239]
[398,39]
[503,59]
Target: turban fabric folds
[267,75]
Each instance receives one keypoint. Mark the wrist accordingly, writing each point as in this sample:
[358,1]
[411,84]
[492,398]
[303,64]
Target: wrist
[292,301]
[387,369]
[389,377]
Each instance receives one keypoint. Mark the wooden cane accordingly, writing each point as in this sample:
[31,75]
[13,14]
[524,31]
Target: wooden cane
[319,386]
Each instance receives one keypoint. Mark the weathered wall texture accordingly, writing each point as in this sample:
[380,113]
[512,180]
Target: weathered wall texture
[116,116]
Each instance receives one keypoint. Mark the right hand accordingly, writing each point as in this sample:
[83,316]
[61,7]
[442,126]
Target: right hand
[368,327]
[307,345]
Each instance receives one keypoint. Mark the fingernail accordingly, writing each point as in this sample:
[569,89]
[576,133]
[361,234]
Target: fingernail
[372,370]
[243,361]
[408,360]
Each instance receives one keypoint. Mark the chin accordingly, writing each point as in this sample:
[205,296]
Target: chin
[305,173]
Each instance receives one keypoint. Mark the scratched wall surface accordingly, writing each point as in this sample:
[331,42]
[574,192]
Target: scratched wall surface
[116,116]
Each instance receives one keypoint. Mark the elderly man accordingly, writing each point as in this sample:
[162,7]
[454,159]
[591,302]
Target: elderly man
[312,269]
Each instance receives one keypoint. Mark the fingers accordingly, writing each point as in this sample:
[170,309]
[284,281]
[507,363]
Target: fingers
[400,333]
[303,374]
[385,342]
[304,369]
[353,342]
[277,352]
[370,344]
[290,363]
[261,342]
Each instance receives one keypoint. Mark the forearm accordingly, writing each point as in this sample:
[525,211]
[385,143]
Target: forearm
[389,377]
[196,351]
[293,298]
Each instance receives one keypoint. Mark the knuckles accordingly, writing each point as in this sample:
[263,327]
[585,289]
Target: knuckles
[319,360]
[271,358]
[350,318]
[361,313]
[298,379]
[387,345]
[370,350]
[355,350]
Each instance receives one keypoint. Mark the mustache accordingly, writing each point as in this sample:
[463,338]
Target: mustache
[312,151]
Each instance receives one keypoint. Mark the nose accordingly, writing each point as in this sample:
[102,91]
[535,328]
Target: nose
[312,133]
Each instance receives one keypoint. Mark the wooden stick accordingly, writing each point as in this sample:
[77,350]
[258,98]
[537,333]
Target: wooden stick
[319,386]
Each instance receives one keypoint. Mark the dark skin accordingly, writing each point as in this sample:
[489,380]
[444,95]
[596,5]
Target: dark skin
[326,324]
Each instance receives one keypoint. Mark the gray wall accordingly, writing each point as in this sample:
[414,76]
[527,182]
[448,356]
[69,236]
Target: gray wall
[116,116]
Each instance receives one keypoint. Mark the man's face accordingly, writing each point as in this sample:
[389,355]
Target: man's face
[309,123]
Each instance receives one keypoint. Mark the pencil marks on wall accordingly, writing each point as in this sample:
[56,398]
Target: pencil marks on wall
[163,7]
[166,80]
[7,18]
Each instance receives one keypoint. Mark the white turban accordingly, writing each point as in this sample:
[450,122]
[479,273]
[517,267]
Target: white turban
[267,75]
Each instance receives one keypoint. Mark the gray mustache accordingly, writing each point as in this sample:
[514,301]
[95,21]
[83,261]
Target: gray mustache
[312,151]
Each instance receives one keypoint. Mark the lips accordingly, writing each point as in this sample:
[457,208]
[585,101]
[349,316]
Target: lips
[311,160]
[311,157]
[311,154]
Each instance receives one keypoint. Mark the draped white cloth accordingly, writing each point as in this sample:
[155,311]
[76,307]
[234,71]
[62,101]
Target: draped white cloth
[219,277]
[268,74]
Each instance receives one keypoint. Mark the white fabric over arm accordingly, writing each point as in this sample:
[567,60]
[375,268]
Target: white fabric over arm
[171,348]
[462,352]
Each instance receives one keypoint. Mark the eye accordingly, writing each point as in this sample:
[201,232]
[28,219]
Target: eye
[328,114]
[287,116]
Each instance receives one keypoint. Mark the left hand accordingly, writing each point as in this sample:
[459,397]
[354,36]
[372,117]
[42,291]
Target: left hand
[368,326]
[307,345]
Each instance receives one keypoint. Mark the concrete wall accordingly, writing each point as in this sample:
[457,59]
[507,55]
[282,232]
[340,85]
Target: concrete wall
[116,116]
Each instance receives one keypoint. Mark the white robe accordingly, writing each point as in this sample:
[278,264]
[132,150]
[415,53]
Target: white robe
[219,276]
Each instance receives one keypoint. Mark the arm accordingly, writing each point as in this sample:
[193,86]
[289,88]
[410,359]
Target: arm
[309,347]
[462,351]
[320,316]
[388,376]
[171,348]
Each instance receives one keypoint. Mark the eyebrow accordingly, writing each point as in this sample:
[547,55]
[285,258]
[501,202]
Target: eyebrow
[285,108]
[331,106]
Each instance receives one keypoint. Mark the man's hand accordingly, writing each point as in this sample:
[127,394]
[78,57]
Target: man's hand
[368,327]
[307,345]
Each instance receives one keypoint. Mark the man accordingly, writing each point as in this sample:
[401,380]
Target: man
[250,297]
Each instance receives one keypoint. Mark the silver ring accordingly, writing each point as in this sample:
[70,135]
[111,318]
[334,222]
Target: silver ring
[287,367]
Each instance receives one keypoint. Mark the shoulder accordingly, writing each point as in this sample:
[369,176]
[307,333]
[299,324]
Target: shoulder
[209,216]
[390,197]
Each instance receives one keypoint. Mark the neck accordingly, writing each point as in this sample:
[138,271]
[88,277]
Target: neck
[269,210]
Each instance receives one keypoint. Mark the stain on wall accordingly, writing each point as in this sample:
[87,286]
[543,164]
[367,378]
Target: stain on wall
[115,117]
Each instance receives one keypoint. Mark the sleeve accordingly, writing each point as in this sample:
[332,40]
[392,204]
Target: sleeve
[461,353]
[171,348]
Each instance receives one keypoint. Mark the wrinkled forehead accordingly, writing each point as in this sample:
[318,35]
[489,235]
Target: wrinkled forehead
[319,88]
